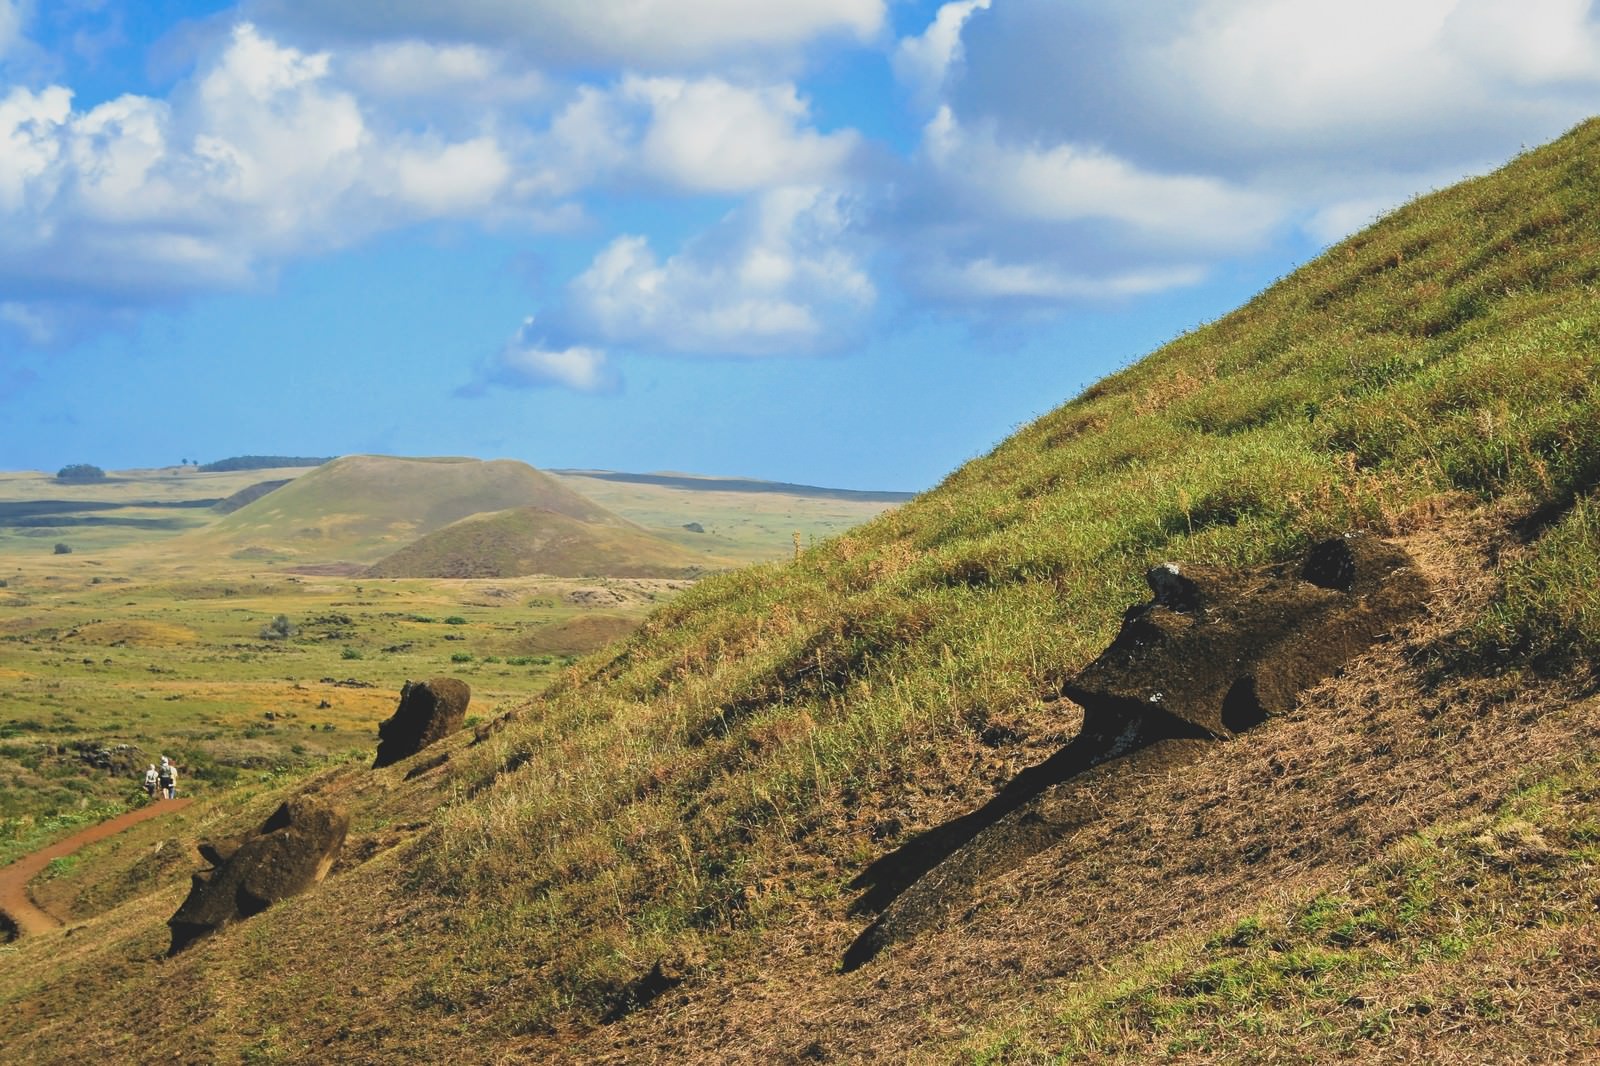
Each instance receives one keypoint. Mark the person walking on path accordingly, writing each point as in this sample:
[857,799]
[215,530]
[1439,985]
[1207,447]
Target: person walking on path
[151,780]
[168,778]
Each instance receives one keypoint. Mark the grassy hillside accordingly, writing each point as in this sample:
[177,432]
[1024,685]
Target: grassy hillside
[533,540]
[656,859]
[362,507]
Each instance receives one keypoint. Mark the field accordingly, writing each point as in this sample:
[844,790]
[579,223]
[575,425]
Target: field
[140,641]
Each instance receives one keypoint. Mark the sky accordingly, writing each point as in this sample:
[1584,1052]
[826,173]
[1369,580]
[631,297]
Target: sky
[840,242]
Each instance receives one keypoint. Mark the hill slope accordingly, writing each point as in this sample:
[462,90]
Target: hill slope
[531,540]
[361,507]
[663,857]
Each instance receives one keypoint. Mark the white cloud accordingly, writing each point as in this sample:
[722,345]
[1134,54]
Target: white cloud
[1069,182]
[923,63]
[985,279]
[1083,151]
[776,277]
[421,69]
[699,135]
[713,136]
[527,362]
[452,179]
[654,34]
[1238,87]
[261,157]
[29,147]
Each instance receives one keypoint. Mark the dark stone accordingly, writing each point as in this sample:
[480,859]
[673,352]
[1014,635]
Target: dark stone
[1225,649]
[289,853]
[428,711]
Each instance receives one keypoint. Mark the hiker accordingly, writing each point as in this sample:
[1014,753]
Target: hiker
[150,780]
[169,779]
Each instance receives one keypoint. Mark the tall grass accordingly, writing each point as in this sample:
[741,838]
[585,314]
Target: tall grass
[740,755]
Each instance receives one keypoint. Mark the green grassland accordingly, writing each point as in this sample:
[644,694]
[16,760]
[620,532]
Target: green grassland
[655,858]
[747,527]
[154,630]
[189,666]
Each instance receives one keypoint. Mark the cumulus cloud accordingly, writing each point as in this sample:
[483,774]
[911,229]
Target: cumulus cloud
[776,277]
[528,362]
[1239,87]
[1081,150]
[1069,182]
[260,157]
[923,62]
[651,34]
[414,69]
[701,135]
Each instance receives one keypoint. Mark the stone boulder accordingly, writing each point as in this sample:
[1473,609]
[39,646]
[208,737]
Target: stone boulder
[1216,651]
[428,711]
[291,851]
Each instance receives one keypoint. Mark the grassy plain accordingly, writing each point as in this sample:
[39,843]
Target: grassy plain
[144,636]
[746,527]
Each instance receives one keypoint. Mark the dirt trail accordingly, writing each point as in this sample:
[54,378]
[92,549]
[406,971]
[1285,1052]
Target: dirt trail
[19,908]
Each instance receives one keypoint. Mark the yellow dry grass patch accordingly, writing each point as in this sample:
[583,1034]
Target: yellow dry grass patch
[250,698]
[136,632]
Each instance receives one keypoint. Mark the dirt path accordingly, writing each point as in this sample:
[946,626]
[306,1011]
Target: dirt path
[16,905]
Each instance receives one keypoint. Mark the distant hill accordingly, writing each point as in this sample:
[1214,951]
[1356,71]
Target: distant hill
[260,462]
[535,540]
[248,495]
[699,483]
[361,508]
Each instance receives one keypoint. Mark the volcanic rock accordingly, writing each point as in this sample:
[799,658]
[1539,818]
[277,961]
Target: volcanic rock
[1222,649]
[289,853]
[428,711]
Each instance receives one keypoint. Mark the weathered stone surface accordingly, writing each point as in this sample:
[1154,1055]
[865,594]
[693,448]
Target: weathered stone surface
[289,853]
[1223,649]
[428,711]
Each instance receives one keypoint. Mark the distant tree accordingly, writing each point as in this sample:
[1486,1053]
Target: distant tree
[259,462]
[63,548]
[80,472]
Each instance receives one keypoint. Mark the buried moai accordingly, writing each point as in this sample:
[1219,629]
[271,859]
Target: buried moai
[428,711]
[291,851]
[1221,650]
[1213,653]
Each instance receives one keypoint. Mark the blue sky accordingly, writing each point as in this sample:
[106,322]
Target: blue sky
[843,242]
